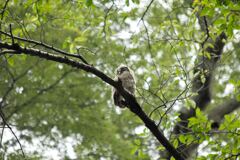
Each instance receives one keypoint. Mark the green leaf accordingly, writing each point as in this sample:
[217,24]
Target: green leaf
[182,138]
[219,21]
[172,158]
[229,118]
[207,54]
[178,71]
[137,142]
[10,61]
[89,3]
[238,97]
[127,2]
[134,150]
[232,81]
[207,12]
[202,78]
[175,143]
[192,121]
[190,139]
[23,57]
[135,1]
[190,103]
[204,11]
[230,31]
[161,148]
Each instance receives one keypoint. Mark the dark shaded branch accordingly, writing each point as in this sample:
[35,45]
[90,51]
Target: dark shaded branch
[207,31]
[148,37]
[46,46]
[232,156]
[217,113]
[105,20]
[130,99]
[10,28]
[205,69]
[178,39]
[148,7]
[10,128]
[1,136]
[4,9]
[2,13]
[170,107]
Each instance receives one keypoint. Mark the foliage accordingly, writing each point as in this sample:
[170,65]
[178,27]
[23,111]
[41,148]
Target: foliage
[160,41]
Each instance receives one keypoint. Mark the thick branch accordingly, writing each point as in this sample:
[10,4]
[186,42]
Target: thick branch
[205,68]
[203,89]
[130,99]
[45,46]
[217,113]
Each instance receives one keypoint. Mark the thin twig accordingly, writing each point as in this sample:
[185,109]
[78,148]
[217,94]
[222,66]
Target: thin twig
[2,14]
[105,20]
[148,7]
[10,27]
[165,113]
[9,127]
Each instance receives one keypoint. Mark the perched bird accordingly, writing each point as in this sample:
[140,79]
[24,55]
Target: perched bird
[123,74]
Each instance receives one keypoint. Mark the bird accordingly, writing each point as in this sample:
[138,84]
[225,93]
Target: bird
[125,75]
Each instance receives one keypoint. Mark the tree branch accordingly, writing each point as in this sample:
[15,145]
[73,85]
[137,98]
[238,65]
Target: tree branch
[203,89]
[205,68]
[2,13]
[148,7]
[217,113]
[10,128]
[46,46]
[130,99]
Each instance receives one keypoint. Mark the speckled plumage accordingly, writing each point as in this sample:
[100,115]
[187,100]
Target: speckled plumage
[124,74]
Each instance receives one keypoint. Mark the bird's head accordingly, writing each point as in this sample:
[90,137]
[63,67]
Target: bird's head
[122,69]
